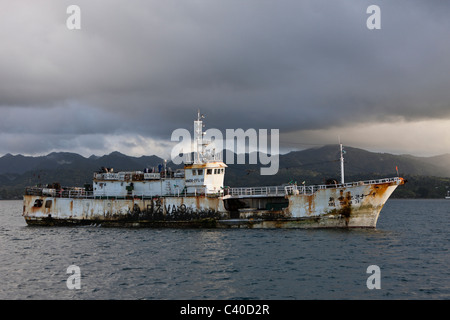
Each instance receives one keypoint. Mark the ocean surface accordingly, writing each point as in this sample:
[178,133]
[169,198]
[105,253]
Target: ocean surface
[410,247]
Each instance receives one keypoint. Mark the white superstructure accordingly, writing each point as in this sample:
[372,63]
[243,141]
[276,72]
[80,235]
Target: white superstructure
[204,175]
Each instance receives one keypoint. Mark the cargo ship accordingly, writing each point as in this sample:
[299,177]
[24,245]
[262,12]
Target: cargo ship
[195,197]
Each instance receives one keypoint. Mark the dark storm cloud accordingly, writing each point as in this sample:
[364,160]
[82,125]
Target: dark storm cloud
[145,67]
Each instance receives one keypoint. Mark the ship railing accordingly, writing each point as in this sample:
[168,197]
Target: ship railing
[291,189]
[256,191]
[59,193]
[271,191]
[80,193]
[138,175]
[126,176]
[295,189]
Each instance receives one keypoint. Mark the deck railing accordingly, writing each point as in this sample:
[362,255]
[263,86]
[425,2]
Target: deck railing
[270,191]
[298,189]
[82,194]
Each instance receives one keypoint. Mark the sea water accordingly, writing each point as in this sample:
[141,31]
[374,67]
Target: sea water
[410,248]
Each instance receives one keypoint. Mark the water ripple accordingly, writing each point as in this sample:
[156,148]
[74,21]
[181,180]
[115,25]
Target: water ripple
[411,250]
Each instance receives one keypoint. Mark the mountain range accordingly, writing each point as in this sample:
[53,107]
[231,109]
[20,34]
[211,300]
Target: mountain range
[428,177]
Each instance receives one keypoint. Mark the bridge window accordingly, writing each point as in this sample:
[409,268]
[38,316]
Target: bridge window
[37,203]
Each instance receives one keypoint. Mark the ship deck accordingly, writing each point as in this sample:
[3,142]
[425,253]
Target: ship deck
[280,191]
[227,193]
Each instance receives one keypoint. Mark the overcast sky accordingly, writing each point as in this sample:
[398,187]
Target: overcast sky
[137,70]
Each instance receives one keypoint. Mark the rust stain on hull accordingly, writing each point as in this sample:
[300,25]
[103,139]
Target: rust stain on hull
[156,211]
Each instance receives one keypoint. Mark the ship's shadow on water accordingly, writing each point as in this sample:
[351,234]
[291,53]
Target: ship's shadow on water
[410,246]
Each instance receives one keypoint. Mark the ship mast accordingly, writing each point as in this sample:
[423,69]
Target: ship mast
[198,139]
[203,153]
[342,163]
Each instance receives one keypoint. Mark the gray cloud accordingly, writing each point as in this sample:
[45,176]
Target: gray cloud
[145,67]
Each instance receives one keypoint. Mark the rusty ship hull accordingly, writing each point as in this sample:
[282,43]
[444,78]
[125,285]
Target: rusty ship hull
[350,205]
[195,196]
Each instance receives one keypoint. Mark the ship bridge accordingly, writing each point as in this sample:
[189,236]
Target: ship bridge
[202,175]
